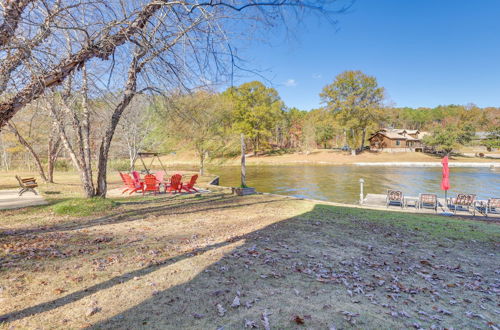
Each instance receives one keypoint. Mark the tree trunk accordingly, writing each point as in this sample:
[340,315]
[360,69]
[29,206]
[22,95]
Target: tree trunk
[243,165]
[52,154]
[254,145]
[258,142]
[53,150]
[86,154]
[88,185]
[50,170]
[128,95]
[132,159]
[30,149]
[363,136]
[202,163]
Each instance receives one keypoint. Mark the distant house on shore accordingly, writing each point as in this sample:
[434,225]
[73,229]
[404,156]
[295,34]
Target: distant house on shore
[397,140]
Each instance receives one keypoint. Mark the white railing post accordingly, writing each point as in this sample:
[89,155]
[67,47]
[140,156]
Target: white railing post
[361,195]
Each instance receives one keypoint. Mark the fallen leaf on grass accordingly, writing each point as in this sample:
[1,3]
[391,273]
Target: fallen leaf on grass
[93,310]
[265,320]
[297,319]
[426,263]
[250,324]
[236,302]
[349,317]
[59,291]
[221,310]
[474,315]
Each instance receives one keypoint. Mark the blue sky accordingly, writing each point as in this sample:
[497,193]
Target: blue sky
[425,52]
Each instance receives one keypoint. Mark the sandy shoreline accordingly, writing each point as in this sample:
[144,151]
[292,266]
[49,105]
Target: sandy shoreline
[322,157]
[431,164]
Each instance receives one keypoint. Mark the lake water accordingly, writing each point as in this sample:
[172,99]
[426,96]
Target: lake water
[341,183]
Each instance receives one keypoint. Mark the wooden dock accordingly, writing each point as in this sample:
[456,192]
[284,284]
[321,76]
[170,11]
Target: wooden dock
[378,201]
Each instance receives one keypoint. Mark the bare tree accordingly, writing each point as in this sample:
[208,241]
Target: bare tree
[32,130]
[196,121]
[30,149]
[134,128]
[32,28]
[175,44]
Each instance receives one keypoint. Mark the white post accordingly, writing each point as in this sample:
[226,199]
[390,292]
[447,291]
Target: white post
[243,164]
[361,195]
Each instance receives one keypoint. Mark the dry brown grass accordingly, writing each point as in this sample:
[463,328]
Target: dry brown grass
[168,262]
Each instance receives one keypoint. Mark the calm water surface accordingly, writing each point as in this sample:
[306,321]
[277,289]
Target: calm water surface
[341,183]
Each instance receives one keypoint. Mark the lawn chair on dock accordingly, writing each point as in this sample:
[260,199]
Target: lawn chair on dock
[493,206]
[463,202]
[394,197]
[428,201]
[27,184]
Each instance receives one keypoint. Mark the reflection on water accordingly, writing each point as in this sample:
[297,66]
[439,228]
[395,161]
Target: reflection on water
[341,183]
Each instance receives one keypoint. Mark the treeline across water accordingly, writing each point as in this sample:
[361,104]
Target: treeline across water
[210,124]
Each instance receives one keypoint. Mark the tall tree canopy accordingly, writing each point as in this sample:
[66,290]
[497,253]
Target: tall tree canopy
[355,98]
[450,136]
[256,110]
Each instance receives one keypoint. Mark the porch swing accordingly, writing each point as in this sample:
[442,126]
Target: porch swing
[153,155]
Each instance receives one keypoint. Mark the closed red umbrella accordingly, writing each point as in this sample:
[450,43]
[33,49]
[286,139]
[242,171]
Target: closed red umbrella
[445,181]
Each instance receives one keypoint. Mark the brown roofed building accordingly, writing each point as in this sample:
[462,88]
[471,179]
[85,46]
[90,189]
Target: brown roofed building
[397,140]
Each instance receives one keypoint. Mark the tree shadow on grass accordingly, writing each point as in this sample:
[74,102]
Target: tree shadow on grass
[215,202]
[325,266]
[78,295]
[26,250]
[325,273]
[75,296]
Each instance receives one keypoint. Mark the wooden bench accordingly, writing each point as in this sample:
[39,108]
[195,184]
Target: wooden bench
[27,184]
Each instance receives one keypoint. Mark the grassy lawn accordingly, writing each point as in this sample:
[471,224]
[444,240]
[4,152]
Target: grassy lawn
[220,260]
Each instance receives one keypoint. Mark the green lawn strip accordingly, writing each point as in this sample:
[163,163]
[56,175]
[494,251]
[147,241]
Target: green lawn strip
[424,224]
[83,206]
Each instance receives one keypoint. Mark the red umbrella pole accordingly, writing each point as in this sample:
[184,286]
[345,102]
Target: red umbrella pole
[445,181]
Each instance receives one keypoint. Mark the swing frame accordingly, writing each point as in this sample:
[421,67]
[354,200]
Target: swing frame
[154,155]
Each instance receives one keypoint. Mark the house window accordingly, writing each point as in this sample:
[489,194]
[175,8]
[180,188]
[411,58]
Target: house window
[397,142]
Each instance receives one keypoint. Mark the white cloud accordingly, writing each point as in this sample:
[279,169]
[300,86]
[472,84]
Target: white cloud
[291,83]
[317,76]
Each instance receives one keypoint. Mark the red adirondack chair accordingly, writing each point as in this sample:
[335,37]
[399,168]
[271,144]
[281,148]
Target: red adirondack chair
[151,184]
[132,185]
[189,187]
[160,175]
[137,176]
[124,182]
[175,184]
